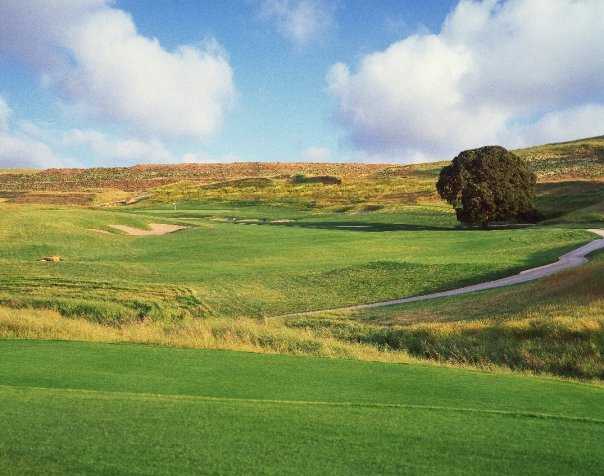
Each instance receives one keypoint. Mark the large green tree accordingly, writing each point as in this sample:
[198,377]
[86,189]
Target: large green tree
[489,184]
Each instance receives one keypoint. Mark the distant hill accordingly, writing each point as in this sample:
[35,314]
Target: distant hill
[577,159]
[562,169]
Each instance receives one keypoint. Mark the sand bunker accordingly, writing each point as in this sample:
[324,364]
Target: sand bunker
[155,229]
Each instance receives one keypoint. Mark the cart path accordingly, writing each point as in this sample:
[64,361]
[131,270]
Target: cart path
[569,260]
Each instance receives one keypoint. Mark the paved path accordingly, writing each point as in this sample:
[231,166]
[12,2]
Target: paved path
[571,259]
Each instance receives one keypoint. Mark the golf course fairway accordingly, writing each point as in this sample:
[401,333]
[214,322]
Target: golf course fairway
[131,409]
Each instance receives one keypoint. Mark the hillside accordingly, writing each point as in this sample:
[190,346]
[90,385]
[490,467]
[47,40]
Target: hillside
[378,185]
[574,160]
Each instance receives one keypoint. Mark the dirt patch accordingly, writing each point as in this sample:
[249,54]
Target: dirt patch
[155,229]
[54,198]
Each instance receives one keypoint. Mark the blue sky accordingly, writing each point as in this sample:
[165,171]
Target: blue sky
[96,82]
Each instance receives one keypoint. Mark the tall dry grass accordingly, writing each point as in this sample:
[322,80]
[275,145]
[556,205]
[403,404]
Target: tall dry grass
[552,326]
[233,334]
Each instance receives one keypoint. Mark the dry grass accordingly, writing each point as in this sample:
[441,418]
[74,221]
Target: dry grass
[242,334]
[354,193]
[552,326]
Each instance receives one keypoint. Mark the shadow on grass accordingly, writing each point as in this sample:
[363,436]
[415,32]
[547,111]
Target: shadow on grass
[369,226]
[559,198]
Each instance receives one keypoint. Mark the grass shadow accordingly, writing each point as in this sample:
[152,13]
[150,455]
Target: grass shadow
[364,226]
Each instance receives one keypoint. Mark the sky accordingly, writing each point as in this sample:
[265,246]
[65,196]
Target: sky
[87,83]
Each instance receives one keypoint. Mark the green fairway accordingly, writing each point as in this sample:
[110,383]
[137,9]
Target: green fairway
[238,269]
[302,237]
[98,409]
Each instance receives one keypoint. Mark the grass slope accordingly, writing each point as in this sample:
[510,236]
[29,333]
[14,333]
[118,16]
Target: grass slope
[226,269]
[98,409]
[554,325]
[582,158]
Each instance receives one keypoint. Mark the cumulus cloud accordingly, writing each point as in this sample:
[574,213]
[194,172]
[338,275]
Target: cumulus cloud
[95,56]
[24,143]
[19,149]
[24,152]
[317,154]
[515,72]
[206,158]
[558,126]
[300,21]
[118,151]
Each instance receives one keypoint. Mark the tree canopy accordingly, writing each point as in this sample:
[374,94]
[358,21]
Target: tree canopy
[489,184]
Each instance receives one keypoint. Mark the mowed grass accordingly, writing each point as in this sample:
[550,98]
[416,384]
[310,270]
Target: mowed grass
[216,268]
[97,409]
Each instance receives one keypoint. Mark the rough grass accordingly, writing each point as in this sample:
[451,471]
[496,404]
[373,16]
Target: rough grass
[242,334]
[383,184]
[583,159]
[311,194]
[553,326]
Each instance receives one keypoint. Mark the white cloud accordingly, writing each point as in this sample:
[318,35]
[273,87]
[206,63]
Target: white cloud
[497,71]
[203,157]
[19,149]
[317,154]
[559,126]
[118,151]
[24,152]
[24,143]
[33,30]
[95,56]
[300,21]
[5,113]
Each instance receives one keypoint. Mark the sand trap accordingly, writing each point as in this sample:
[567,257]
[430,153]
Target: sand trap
[597,232]
[155,229]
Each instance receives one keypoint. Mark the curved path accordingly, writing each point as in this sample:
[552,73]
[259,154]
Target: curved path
[571,259]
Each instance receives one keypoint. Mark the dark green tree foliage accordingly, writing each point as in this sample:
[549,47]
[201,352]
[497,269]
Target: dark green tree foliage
[489,184]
